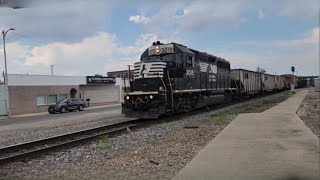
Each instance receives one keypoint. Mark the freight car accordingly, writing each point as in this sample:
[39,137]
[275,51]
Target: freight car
[246,82]
[249,83]
[290,79]
[280,83]
[172,78]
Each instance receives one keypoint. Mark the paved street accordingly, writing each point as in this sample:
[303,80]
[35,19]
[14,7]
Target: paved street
[41,120]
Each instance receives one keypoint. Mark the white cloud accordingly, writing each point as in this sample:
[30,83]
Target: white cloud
[49,21]
[300,9]
[311,38]
[193,16]
[276,56]
[139,19]
[197,16]
[99,53]
[261,14]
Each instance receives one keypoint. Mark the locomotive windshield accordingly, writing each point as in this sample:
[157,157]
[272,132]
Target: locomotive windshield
[162,57]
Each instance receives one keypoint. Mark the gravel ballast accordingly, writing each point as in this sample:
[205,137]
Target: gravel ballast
[309,111]
[49,129]
[155,152]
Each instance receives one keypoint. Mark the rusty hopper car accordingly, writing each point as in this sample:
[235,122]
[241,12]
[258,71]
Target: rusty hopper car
[280,82]
[246,82]
[290,79]
[268,82]
[172,78]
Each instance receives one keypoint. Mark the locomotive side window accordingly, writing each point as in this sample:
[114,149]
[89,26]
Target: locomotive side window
[178,59]
[189,61]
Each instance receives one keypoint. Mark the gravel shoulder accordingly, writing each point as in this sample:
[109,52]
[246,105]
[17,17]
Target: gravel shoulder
[155,152]
[309,111]
[29,134]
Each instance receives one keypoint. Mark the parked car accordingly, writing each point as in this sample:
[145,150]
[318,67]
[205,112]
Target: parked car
[67,105]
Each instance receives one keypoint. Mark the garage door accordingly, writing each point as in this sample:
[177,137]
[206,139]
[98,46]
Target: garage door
[102,96]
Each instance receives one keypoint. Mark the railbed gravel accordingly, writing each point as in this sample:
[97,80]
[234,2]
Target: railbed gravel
[155,152]
[11,137]
[309,111]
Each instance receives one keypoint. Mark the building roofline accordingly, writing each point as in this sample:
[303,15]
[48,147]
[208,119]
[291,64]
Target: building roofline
[44,75]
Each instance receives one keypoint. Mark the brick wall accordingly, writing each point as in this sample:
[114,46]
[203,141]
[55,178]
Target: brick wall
[23,99]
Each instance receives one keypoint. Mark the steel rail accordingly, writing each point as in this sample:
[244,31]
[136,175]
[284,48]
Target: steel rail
[39,147]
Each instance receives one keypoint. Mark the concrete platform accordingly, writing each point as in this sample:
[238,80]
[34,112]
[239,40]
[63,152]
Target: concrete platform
[271,145]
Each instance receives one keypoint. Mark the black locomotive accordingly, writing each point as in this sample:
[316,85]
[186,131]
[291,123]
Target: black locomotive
[172,78]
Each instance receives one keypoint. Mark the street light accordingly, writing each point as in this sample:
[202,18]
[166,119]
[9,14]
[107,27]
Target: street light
[4,33]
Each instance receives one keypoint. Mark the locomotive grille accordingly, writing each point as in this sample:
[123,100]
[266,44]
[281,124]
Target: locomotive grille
[149,70]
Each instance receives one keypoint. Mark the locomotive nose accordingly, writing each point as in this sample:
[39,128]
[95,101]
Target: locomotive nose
[138,105]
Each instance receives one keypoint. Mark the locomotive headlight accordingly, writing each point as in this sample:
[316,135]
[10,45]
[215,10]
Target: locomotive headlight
[157,49]
[127,97]
[151,97]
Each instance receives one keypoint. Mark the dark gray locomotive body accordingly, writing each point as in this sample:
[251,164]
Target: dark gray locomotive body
[172,78]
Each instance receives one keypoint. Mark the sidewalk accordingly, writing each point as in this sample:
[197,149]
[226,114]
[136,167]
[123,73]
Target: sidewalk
[271,145]
[43,113]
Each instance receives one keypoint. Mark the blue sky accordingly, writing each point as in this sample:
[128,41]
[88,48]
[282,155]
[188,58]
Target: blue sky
[88,37]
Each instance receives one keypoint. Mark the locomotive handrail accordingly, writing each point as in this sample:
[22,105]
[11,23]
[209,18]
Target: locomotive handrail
[165,88]
[171,91]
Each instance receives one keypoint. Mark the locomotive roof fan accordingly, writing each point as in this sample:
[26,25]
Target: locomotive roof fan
[156,43]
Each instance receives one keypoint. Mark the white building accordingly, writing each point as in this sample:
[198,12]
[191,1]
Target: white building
[34,93]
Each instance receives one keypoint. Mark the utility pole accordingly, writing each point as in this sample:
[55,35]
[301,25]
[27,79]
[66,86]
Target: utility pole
[4,33]
[293,80]
[51,69]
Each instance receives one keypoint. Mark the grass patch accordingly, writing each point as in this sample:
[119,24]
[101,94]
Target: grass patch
[163,125]
[104,142]
[223,117]
[290,93]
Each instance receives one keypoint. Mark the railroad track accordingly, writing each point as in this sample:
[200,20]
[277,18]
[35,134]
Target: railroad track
[39,147]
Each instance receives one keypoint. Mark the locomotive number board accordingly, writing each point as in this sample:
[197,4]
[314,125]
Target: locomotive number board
[160,49]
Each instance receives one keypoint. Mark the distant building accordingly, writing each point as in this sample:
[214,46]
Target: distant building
[122,73]
[124,78]
[34,93]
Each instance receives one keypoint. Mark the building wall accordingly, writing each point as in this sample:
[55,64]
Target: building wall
[24,90]
[100,94]
[44,80]
[23,99]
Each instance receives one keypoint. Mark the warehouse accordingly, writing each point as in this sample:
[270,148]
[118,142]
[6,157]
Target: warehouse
[34,93]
